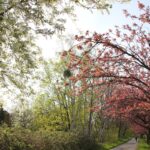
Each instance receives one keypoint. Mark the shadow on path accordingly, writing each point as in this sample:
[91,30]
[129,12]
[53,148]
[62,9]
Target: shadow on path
[130,145]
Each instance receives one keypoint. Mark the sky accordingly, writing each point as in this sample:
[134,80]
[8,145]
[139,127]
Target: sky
[92,21]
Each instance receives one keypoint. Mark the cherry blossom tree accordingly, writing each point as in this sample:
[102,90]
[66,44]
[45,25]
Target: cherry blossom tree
[118,61]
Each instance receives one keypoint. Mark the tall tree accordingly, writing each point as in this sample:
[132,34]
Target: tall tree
[121,59]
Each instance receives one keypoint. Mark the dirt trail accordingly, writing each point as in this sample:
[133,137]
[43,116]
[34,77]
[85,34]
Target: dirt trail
[130,145]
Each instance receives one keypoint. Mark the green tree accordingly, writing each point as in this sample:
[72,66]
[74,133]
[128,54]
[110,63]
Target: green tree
[48,112]
[20,22]
[22,115]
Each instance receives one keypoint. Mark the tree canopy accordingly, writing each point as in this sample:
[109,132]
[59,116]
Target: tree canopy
[118,61]
[20,23]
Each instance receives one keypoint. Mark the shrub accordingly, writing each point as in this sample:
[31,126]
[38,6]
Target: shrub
[24,139]
[14,139]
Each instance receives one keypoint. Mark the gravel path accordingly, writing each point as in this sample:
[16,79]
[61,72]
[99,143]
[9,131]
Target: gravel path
[130,145]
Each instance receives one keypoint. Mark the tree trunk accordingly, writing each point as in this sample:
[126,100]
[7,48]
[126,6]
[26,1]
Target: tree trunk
[73,114]
[90,118]
[122,129]
[68,119]
[102,131]
[90,124]
[119,130]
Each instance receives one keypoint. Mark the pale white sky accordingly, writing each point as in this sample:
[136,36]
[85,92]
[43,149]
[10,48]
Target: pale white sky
[86,20]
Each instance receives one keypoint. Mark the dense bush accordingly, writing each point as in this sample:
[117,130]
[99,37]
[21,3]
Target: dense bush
[14,139]
[24,139]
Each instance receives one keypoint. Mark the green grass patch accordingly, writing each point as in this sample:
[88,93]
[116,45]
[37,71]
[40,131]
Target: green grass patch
[142,145]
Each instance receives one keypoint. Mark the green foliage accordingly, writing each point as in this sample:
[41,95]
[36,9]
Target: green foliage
[21,21]
[23,139]
[22,117]
[142,145]
[47,114]
[14,139]
[66,141]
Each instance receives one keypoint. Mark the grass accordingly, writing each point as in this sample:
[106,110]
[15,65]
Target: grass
[108,146]
[142,145]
